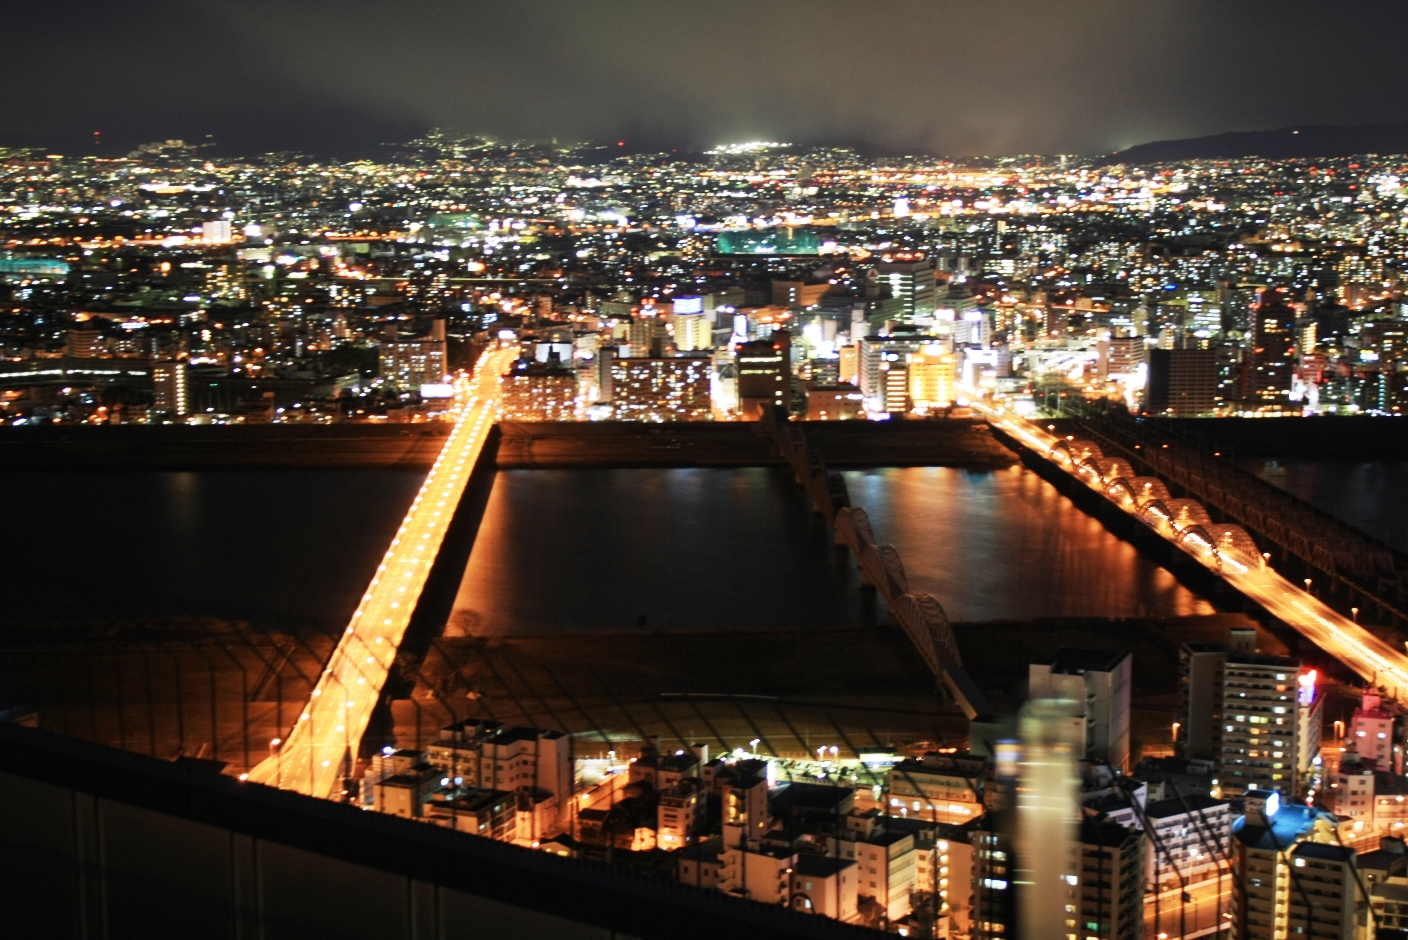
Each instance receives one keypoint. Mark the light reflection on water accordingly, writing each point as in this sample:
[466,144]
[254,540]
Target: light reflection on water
[1004,544]
[560,550]
[576,550]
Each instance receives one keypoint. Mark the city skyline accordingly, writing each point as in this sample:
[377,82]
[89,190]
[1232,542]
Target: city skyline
[947,78]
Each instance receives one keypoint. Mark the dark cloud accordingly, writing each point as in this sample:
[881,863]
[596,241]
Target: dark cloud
[953,76]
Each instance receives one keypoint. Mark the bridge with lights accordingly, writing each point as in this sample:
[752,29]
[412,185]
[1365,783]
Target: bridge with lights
[1225,549]
[315,757]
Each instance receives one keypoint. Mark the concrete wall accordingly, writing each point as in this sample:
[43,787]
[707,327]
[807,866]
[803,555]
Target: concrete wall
[99,843]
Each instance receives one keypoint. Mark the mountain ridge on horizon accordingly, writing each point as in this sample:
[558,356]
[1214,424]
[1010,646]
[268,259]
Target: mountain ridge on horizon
[1299,140]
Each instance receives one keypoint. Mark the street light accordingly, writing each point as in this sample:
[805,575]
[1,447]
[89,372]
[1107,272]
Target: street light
[1307,584]
[1355,612]
[754,744]
[1176,726]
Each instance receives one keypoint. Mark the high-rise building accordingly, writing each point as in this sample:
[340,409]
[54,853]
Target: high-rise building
[660,389]
[1200,677]
[536,391]
[933,373]
[1322,905]
[764,373]
[219,232]
[171,384]
[411,363]
[994,894]
[875,358]
[693,328]
[1270,359]
[797,293]
[1279,862]
[1099,682]
[1271,713]
[84,342]
[895,388]
[1121,355]
[1200,699]
[1111,877]
[910,277]
[1048,807]
[1182,382]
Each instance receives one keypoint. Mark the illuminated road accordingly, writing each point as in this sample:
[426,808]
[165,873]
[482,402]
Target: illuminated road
[1208,902]
[1374,660]
[313,757]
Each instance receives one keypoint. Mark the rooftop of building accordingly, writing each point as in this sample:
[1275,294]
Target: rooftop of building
[820,866]
[475,799]
[1072,660]
[1264,660]
[1102,832]
[1188,803]
[1324,852]
[1152,766]
[1291,821]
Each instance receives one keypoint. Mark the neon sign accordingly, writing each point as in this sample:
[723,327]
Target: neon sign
[1306,681]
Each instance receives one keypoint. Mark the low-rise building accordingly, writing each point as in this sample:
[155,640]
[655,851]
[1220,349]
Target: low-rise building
[825,886]
[942,788]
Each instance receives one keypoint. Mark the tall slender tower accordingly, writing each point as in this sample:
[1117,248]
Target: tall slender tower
[1270,358]
[1048,801]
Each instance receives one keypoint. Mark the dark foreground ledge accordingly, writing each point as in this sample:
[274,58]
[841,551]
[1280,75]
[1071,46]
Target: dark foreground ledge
[100,842]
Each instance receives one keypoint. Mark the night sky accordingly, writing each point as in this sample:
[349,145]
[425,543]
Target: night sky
[339,77]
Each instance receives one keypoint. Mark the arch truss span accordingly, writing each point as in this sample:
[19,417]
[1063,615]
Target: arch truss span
[1070,453]
[853,530]
[1148,489]
[922,617]
[883,568]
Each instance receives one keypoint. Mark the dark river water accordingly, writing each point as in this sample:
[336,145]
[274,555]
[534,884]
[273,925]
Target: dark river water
[1371,495]
[569,550]
[701,549]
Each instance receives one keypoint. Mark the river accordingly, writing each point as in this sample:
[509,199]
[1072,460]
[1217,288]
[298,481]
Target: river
[561,550]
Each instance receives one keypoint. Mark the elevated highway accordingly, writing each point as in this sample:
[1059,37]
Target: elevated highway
[314,757]
[1225,549]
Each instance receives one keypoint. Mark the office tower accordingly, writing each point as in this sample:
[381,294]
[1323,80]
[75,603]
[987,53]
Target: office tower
[1182,382]
[876,355]
[798,293]
[675,389]
[1111,875]
[1120,355]
[84,342]
[895,396]
[1052,733]
[413,362]
[536,391]
[764,374]
[933,373]
[694,329]
[1270,723]
[1269,360]
[170,382]
[911,280]
[1098,681]
[848,365]
[219,232]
